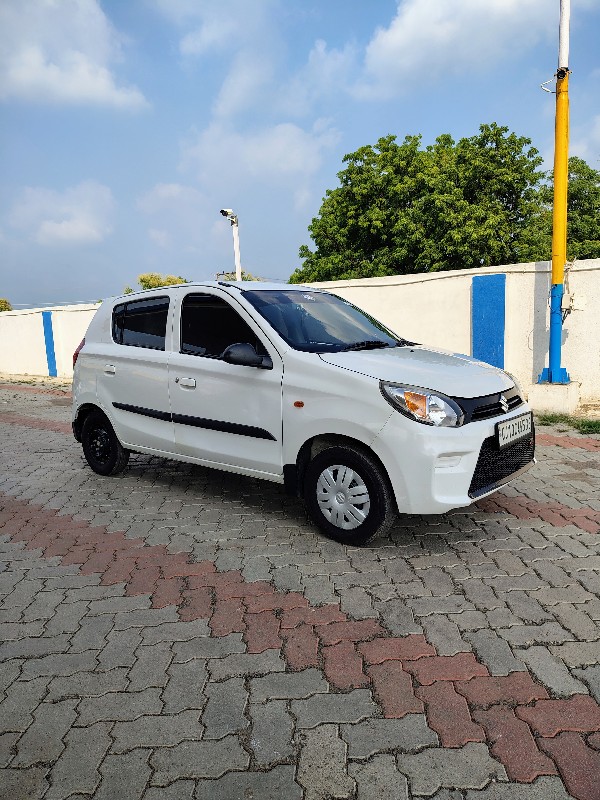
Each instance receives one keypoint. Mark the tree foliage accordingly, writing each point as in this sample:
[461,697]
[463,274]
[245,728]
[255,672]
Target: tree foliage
[154,280]
[5,305]
[231,276]
[402,208]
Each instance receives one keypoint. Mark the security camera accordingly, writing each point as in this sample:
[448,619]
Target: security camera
[227,212]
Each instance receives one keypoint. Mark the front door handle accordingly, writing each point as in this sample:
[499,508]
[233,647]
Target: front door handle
[189,383]
[109,369]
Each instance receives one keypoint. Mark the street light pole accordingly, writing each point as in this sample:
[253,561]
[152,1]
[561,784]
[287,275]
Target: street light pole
[228,213]
[554,373]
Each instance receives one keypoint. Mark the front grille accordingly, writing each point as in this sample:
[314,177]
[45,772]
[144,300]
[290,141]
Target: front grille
[478,408]
[495,467]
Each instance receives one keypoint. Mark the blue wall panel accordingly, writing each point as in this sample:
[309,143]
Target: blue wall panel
[488,304]
[49,340]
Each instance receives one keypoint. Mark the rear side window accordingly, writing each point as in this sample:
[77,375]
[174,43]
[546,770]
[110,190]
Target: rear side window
[141,323]
[209,325]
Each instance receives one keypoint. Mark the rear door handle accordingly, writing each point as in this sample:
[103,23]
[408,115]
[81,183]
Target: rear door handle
[109,369]
[189,383]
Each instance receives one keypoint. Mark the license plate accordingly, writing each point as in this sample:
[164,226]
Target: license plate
[513,429]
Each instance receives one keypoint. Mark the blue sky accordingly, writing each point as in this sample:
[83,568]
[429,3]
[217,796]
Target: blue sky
[127,124]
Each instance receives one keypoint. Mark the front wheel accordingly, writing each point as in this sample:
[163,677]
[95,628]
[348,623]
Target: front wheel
[348,496]
[101,448]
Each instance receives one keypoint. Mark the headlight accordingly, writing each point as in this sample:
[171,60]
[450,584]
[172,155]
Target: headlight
[422,405]
[516,383]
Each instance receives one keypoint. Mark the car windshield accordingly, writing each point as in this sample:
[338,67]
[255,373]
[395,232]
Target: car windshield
[319,322]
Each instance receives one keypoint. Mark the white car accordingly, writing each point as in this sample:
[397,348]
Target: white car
[297,386]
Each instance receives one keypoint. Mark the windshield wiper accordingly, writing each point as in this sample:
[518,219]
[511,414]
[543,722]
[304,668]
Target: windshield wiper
[368,344]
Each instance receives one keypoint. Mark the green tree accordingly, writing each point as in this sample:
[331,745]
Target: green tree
[154,280]
[5,305]
[231,276]
[401,208]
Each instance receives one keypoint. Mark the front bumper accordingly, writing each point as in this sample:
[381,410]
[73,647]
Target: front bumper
[433,470]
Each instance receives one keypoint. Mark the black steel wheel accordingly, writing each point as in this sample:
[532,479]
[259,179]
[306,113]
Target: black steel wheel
[348,496]
[101,448]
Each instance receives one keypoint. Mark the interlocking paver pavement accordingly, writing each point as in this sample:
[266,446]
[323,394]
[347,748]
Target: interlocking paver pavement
[181,633]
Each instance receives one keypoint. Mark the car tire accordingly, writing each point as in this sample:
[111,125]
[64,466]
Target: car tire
[348,496]
[101,448]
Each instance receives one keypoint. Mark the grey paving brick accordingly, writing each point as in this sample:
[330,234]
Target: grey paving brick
[87,684]
[116,603]
[120,648]
[551,596]
[544,788]
[576,621]
[20,630]
[318,709]
[250,664]
[481,595]
[398,617]
[494,652]
[7,745]
[272,731]
[119,706]
[67,618]
[379,779]
[357,603]
[277,784]
[407,735]
[16,710]
[42,741]
[210,759]
[33,647]
[208,647]
[321,766]
[176,631]
[444,635]
[591,677]
[26,784]
[468,767]
[469,620]
[150,667]
[287,578]
[185,687]
[224,711]
[145,618]
[288,685]
[124,776]
[77,769]
[156,731]
[179,790]
[526,607]
[438,582]
[318,590]
[551,671]
[546,633]
[92,634]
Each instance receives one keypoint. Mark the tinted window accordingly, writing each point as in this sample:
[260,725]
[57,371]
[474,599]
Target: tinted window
[209,325]
[141,323]
[319,322]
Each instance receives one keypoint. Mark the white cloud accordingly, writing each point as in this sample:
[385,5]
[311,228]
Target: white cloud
[61,53]
[179,213]
[283,155]
[585,142]
[159,237]
[80,215]
[428,39]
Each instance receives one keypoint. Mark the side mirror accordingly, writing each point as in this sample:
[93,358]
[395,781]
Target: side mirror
[244,355]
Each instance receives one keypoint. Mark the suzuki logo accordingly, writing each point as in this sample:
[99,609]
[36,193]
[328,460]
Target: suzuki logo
[503,403]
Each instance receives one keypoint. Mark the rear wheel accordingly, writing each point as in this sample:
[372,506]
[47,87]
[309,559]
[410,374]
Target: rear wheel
[101,448]
[348,496]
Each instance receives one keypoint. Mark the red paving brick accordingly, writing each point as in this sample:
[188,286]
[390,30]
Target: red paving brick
[513,744]
[322,615]
[349,631]
[408,648]
[549,717]
[448,715]
[343,666]
[272,600]
[228,617]
[445,668]
[518,688]
[168,593]
[262,632]
[581,442]
[578,764]
[300,648]
[197,603]
[40,424]
[594,741]
[393,688]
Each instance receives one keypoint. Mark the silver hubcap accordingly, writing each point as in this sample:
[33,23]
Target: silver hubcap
[343,497]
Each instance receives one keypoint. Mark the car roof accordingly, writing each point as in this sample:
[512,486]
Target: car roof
[269,286]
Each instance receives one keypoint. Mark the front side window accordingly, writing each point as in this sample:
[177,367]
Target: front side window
[209,325]
[319,322]
[141,323]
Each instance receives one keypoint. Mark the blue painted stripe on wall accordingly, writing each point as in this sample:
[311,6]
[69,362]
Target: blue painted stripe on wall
[488,306]
[49,339]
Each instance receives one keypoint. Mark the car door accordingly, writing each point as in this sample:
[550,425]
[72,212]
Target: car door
[132,373]
[224,414]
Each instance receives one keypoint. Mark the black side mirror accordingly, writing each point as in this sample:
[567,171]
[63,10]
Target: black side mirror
[244,355]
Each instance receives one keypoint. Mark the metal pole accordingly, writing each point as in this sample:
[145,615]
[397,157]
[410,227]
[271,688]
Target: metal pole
[554,373]
[236,249]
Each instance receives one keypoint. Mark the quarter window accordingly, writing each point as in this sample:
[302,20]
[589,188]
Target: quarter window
[141,323]
[209,325]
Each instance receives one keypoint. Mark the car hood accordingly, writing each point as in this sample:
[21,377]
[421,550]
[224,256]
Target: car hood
[451,374]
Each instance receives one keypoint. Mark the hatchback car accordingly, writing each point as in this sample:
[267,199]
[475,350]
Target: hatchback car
[297,386]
